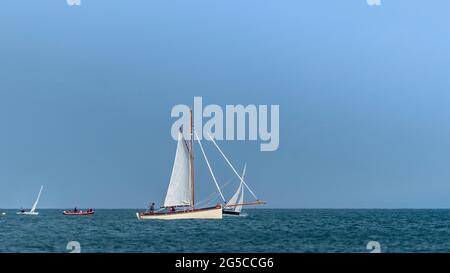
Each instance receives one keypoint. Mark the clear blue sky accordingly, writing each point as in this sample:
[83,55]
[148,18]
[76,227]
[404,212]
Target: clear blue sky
[364,95]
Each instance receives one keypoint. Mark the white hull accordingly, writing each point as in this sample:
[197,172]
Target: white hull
[27,213]
[209,213]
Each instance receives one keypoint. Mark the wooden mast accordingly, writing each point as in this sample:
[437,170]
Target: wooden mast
[192,163]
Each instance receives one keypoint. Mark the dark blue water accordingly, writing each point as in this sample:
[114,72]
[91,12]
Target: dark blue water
[262,230]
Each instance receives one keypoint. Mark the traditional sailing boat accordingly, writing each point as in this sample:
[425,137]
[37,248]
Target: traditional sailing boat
[180,193]
[33,209]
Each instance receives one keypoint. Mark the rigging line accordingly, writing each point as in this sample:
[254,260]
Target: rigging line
[209,166]
[206,201]
[229,163]
[209,198]
[216,193]
[226,184]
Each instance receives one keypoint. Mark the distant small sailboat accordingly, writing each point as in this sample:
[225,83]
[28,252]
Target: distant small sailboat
[33,209]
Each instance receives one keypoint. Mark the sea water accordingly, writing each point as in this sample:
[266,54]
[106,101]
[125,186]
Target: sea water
[260,230]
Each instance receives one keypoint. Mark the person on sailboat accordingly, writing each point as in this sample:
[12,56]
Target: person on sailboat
[75,209]
[172,209]
[152,208]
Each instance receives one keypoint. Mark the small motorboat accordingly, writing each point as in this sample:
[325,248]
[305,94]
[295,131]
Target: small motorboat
[80,212]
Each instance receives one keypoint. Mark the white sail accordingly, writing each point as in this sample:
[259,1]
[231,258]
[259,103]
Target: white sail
[179,192]
[235,197]
[37,200]
[239,194]
[241,200]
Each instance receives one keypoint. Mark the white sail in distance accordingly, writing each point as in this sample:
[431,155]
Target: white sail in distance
[37,200]
[179,192]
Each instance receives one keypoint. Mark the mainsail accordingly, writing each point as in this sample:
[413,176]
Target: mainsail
[37,200]
[179,192]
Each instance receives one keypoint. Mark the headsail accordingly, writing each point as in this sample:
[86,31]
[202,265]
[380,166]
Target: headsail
[239,194]
[37,200]
[235,197]
[241,200]
[179,192]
